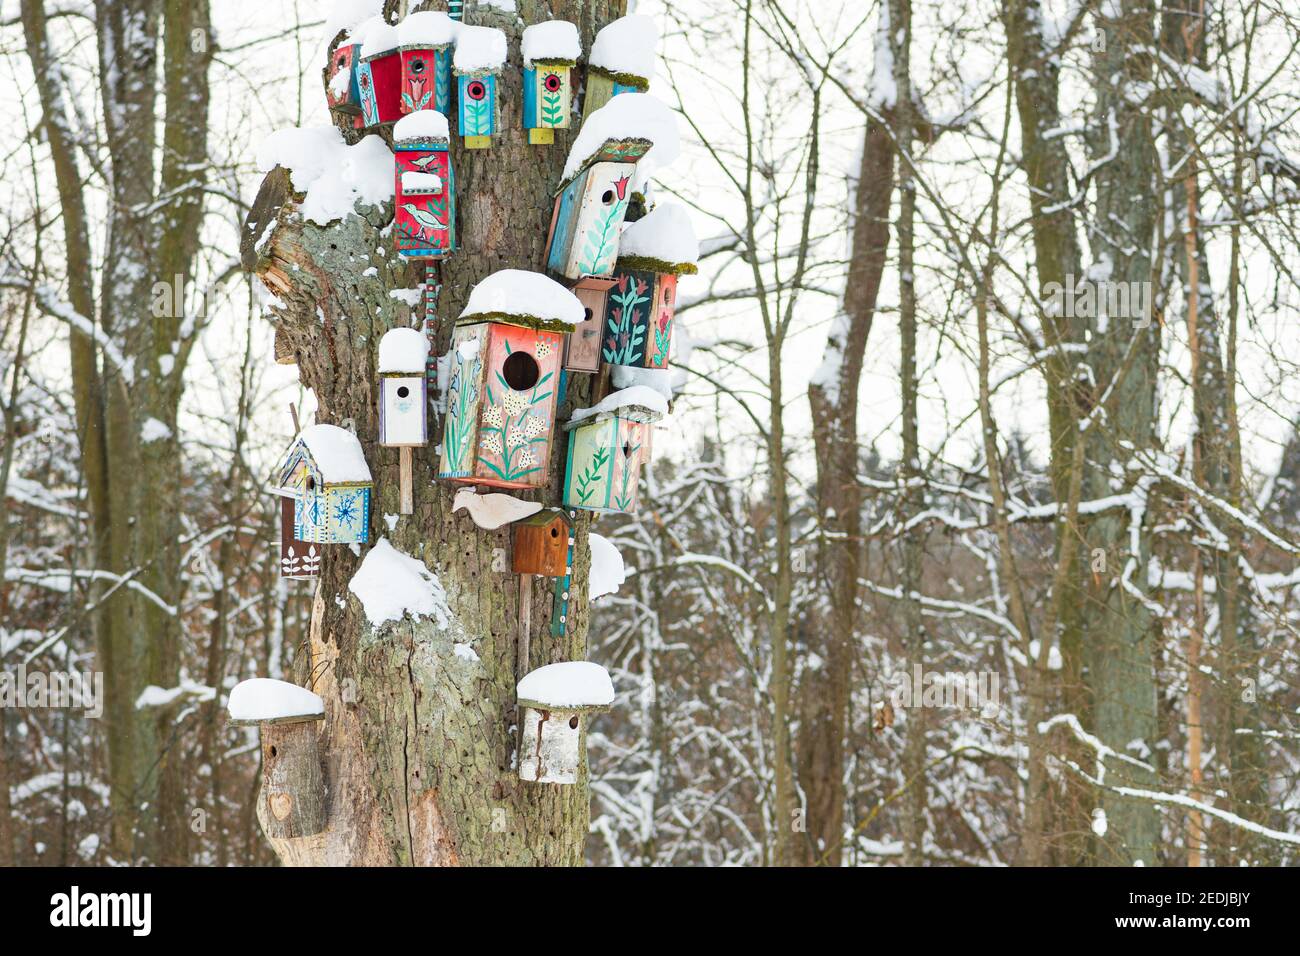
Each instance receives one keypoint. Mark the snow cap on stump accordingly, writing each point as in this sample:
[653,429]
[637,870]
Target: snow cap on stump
[423,127]
[554,42]
[403,352]
[628,117]
[567,686]
[661,241]
[519,297]
[625,50]
[262,700]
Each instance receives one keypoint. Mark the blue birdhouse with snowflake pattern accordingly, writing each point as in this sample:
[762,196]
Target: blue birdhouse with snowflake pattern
[326,475]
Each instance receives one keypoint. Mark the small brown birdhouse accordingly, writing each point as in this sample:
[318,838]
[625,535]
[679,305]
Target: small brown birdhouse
[582,347]
[542,544]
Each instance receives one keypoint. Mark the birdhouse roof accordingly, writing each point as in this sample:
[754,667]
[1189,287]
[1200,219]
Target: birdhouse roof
[640,403]
[422,126]
[661,241]
[519,297]
[569,685]
[554,42]
[380,38]
[479,50]
[336,452]
[353,16]
[544,519]
[262,700]
[625,49]
[426,29]
[403,351]
[637,117]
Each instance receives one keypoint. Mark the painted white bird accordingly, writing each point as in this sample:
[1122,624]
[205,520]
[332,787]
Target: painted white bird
[492,511]
[426,220]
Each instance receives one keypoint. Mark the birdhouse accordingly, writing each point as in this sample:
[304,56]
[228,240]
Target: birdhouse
[595,185]
[299,560]
[607,449]
[542,544]
[291,802]
[425,200]
[653,252]
[341,90]
[503,380]
[554,703]
[550,50]
[326,474]
[425,41]
[403,389]
[480,55]
[622,60]
[582,347]
[379,77]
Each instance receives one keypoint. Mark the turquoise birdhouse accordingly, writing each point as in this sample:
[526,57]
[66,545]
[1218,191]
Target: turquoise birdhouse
[480,55]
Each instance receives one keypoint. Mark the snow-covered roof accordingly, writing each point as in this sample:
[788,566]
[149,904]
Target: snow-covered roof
[349,14]
[626,48]
[524,298]
[663,239]
[555,41]
[627,116]
[390,584]
[658,379]
[607,570]
[262,699]
[569,685]
[479,50]
[336,452]
[380,38]
[427,28]
[424,126]
[403,351]
[638,403]
[334,175]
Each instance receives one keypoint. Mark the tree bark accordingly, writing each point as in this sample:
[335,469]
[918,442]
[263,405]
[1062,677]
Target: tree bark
[418,741]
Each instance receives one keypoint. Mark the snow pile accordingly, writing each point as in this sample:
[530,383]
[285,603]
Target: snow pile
[403,351]
[334,175]
[422,125]
[155,696]
[607,570]
[636,397]
[555,41]
[337,453]
[519,294]
[348,14]
[627,116]
[570,684]
[659,379]
[416,183]
[379,38]
[389,584]
[626,46]
[479,50]
[666,235]
[264,699]
[492,511]
[154,430]
[426,29]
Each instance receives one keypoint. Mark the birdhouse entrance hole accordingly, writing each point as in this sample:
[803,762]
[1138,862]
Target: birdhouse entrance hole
[403,391]
[311,483]
[573,722]
[607,197]
[627,449]
[520,371]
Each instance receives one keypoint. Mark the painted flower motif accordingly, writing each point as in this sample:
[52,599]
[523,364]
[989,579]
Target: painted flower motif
[515,437]
[534,426]
[475,90]
[516,402]
[493,416]
[492,444]
[526,459]
[543,349]
[552,82]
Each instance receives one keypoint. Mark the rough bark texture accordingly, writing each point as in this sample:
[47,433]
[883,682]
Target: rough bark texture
[418,744]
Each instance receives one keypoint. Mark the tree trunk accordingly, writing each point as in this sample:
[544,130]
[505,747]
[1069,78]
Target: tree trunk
[418,741]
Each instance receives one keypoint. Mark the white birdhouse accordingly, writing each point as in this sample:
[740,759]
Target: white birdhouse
[553,702]
[403,389]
